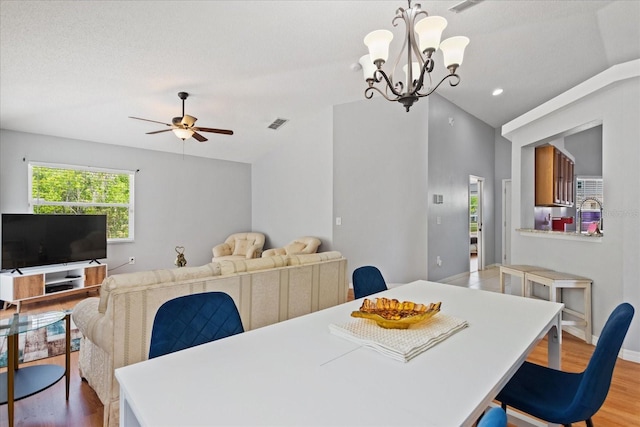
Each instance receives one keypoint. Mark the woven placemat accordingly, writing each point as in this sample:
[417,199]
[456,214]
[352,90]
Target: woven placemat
[400,344]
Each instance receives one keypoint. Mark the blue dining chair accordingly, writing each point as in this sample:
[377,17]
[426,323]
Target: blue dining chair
[565,397]
[367,280]
[192,320]
[494,417]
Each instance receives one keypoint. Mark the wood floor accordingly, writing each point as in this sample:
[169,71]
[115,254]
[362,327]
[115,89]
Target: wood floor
[84,409]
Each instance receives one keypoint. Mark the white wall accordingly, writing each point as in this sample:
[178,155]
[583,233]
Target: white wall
[502,162]
[192,202]
[293,186]
[612,264]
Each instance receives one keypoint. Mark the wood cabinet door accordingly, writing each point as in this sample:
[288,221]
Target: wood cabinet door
[28,286]
[570,184]
[544,176]
[94,275]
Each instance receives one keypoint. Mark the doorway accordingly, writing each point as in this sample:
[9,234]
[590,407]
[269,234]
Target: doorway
[476,261]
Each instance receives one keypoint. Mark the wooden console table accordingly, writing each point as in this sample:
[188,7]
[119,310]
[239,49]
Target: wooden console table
[556,281]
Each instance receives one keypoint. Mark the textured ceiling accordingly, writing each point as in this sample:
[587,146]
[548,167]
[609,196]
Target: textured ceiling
[78,69]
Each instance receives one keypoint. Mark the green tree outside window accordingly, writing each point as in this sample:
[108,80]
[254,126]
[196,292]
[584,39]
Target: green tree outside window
[85,191]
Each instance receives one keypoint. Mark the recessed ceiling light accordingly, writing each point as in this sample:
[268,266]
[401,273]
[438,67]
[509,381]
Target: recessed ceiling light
[497,92]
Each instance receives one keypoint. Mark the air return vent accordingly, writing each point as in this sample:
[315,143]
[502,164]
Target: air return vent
[277,123]
[463,5]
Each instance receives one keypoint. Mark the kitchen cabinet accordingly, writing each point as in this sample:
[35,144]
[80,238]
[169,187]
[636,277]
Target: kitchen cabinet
[553,177]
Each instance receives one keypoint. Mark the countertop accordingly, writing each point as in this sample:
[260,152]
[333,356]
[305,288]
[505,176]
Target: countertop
[563,235]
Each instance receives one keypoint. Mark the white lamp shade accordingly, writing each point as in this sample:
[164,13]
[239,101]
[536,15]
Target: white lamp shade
[429,31]
[453,50]
[368,67]
[378,43]
[415,69]
[183,133]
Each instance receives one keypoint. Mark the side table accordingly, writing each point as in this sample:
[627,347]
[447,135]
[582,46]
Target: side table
[18,383]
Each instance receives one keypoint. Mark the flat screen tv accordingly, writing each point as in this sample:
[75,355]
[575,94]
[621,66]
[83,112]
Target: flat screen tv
[30,240]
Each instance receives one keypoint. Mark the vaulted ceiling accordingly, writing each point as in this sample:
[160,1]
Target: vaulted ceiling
[78,69]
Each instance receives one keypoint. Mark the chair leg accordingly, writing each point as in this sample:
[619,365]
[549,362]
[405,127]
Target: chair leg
[589,422]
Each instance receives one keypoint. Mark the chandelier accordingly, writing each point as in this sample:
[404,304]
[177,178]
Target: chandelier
[422,40]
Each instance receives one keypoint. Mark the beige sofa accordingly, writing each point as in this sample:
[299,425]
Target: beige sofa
[116,326]
[301,245]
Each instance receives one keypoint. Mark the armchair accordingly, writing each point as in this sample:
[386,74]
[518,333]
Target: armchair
[239,246]
[301,245]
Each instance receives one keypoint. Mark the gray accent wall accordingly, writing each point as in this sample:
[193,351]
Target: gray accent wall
[180,201]
[380,187]
[387,165]
[586,148]
[460,145]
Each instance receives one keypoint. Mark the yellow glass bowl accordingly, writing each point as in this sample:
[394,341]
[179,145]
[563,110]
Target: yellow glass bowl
[392,314]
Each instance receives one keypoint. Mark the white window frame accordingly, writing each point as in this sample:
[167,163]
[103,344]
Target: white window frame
[129,205]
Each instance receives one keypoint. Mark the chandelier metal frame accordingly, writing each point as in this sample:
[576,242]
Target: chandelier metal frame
[410,92]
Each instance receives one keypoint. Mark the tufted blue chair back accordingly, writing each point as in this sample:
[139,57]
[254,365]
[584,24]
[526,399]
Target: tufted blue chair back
[367,280]
[192,320]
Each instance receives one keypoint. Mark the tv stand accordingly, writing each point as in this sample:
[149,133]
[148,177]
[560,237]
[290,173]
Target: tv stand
[49,282]
[16,269]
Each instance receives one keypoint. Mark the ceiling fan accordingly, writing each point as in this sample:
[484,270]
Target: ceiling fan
[183,126]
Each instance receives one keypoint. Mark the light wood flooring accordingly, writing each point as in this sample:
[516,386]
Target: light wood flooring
[49,408]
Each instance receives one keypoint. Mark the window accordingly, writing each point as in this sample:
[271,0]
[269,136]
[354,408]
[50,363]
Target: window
[84,190]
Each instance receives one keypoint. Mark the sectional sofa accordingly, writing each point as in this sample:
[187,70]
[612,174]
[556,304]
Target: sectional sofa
[116,327]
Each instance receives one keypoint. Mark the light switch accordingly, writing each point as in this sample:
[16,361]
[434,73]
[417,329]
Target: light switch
[338,220]
[438,220]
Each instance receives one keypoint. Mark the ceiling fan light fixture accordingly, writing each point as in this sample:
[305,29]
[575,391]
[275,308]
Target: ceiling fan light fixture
[183,134]
[188,120]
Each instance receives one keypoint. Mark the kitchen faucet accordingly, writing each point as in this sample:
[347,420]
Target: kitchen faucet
[579,213]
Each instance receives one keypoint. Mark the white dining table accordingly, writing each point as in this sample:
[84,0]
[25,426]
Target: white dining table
[297,373]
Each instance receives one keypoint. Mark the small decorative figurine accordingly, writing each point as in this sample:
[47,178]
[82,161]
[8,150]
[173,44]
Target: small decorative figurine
[181,261]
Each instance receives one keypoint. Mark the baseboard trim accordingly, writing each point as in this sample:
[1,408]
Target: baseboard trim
[465,274]
[629,355]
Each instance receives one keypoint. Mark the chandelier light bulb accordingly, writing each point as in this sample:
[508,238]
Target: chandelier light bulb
[368,68]
[415,70]
[453,51]
[429,31]
[378,43]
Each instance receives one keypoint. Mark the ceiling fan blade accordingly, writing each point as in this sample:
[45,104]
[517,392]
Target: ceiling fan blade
[222,131]
[147,120]
[199,137]
[158,131]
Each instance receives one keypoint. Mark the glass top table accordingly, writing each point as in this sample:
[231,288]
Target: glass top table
[20,323]
[18,383]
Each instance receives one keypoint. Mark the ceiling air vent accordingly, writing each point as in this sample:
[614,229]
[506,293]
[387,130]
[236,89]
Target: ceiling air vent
[277,123]
[463,5]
